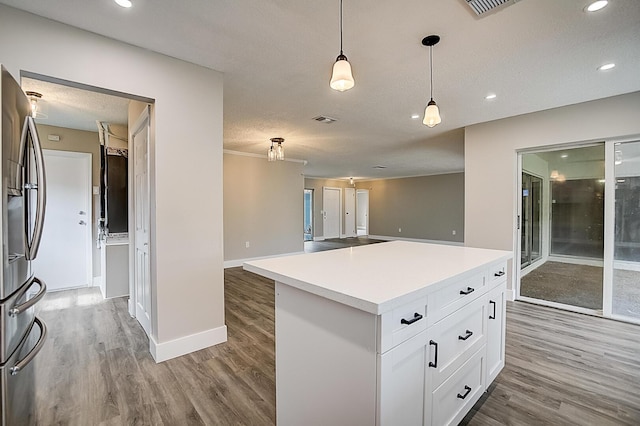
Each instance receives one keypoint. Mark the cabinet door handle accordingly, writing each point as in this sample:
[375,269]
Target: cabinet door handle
[468,334]
[498,274]
[416,317]
[469,290]
[467,389]
[434,364]
[491,302]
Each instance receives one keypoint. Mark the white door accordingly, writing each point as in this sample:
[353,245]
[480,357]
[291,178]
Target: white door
[350,212]
[362,210]
[331,212]
[142,275]
[65,255]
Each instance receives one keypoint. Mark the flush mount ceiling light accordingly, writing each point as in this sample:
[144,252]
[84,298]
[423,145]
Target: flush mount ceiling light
[596,6]
[277,152]
[431,112]
[606,67]
[37,110]
[124,3]
[342,77]
[490,96]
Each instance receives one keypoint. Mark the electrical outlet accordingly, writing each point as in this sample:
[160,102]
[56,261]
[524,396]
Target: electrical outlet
[453,232]
[246,244]
[399,229]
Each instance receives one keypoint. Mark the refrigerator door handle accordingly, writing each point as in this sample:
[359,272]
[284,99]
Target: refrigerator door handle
[18,309]
[40,186]
[20,365]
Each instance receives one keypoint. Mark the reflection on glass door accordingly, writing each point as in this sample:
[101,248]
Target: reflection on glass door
[531,219]
[626,262]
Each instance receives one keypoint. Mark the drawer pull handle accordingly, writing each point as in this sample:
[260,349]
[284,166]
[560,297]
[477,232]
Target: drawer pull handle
[469,290]
[467,389]
[434,364]
[491,302]
[468,334]
[416,317]
[499,274]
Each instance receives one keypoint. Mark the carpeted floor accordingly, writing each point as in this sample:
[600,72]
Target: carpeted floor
[581,285]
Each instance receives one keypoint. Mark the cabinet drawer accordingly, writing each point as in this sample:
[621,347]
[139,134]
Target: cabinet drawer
[402,323]
[497,272]
[450,402]
[453,340]
[454,296]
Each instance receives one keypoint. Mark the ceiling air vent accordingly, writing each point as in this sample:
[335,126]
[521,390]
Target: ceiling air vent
[379,167]
[483,6]
[323,119]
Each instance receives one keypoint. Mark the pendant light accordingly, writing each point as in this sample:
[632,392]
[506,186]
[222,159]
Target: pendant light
[431,112]
[277,152]
[342,77]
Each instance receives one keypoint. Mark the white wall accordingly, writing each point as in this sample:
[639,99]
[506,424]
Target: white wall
[490,158]
[186,257]
[263,205]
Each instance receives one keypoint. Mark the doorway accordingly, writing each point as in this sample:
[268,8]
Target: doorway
[308,215]
[362,212]
[350,212]
[64,259]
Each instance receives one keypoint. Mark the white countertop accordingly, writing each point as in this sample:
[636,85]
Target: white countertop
[378,277]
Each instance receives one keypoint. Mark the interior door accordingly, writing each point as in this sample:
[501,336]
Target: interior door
[142,274]
[331,212]
[65,256]
[350,212]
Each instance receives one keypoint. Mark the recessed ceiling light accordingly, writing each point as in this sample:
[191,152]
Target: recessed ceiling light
[415,116]
[606,67]
[124,3]
[596,5]
[490,96]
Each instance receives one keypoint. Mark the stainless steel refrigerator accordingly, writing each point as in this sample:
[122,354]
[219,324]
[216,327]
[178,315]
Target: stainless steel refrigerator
[22,334]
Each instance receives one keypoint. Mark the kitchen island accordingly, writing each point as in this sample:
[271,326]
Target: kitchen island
[386,334]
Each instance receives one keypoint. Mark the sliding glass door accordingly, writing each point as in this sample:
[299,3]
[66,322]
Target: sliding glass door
[626,252]
[562,227]
[579,238]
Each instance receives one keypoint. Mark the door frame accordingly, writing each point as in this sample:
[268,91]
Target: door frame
[86,158]
[143,120]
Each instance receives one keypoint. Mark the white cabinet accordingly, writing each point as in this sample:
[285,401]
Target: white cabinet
[496,322]
[401,385]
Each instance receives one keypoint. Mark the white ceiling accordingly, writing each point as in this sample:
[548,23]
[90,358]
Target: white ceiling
[277,57]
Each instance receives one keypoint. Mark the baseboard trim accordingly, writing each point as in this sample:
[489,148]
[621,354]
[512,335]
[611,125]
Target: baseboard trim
[238,262]
[418,240]
[97,281]
[511,295]
[318,238]
[187,344]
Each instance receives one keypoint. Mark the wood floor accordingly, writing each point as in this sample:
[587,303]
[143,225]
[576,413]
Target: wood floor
[562,368]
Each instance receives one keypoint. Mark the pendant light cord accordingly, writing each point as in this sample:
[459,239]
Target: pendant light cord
[341,27]
[431,68]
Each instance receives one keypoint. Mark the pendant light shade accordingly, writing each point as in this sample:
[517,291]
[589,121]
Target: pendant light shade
[431,112]
[341,77]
